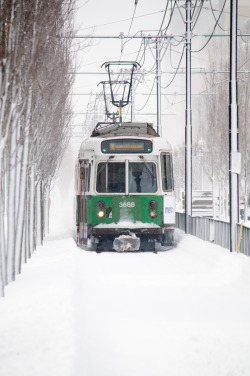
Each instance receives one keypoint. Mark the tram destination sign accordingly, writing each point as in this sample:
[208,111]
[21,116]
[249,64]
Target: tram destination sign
[127,146]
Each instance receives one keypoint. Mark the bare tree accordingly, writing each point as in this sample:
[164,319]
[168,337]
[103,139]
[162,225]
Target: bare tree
[244,113]
[34,119]
[212,135]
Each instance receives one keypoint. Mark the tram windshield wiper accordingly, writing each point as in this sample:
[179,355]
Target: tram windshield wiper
[104,165]
[147,167]
[142,177]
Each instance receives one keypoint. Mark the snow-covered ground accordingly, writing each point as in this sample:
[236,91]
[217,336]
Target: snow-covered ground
[184,311]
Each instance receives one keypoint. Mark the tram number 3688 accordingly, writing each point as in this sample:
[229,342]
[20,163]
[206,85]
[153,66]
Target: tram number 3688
[126,204]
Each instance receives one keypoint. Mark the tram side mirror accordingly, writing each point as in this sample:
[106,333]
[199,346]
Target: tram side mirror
[81,173]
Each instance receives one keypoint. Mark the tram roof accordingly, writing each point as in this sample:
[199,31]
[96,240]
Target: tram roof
[124,129]
[131,130]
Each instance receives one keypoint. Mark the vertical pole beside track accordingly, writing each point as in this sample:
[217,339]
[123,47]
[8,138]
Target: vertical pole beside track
[188,128]
[233,128]
[132,101]
[158,84]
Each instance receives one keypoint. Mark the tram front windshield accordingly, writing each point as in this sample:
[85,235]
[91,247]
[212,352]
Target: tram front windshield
[141,177]
[111,177]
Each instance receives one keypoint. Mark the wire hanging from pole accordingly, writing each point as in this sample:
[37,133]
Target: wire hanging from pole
[216,23]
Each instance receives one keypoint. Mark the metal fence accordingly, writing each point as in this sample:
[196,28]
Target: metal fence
[245,239]
[216,231]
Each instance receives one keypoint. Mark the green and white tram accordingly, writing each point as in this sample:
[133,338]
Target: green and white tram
[124,189]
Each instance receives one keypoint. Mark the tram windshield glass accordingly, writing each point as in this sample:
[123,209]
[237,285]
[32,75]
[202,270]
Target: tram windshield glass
[111,177]
[142,177]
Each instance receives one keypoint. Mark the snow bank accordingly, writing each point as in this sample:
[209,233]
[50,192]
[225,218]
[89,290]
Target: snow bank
[181,312]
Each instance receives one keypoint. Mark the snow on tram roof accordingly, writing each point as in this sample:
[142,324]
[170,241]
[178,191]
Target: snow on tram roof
[124,129]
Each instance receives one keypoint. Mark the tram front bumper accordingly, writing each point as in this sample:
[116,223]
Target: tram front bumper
[127,243]
[124,238]
[125,230]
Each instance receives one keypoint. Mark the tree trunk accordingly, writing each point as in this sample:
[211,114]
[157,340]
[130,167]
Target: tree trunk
[39,213]
[31,211]
[11,207]
[46,208]
[22,191]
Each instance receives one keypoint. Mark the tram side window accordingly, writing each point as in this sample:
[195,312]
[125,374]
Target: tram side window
[110,177]
[142,177]
[85,176]
[166,172]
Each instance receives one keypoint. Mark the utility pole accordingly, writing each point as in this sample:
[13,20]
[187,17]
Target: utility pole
[188,128]
[234,156]
[158,85]
[132,94]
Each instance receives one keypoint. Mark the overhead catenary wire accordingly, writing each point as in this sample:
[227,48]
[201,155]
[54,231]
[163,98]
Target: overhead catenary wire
[197,15]
[132,19]
[142,41]
[164,87]
[164,16]
[143,52]
[211,35]
[148,96]
[178,41]
[145,45]
[243,34]
[170,18]
[119,21]
[213,13]
[194,8]
[170,56]
[142,62]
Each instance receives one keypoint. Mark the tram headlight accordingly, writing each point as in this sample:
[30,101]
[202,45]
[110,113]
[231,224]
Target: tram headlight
[100,214]
[152,204]
[152,213]
[101,204]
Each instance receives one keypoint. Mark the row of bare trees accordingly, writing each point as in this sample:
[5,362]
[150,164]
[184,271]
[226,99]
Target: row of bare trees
[212,142]
[35,60]
[215,109]
[211,125]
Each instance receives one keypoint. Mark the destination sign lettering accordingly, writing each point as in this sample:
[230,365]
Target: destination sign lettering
[126,146]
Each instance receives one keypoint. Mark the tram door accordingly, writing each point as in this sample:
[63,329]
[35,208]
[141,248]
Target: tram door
[84,189]
[167,187]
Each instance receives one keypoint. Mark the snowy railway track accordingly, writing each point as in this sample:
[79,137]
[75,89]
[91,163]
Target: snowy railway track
[181,312]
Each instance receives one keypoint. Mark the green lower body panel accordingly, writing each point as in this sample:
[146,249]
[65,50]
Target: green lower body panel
[125,209]
[109,221]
